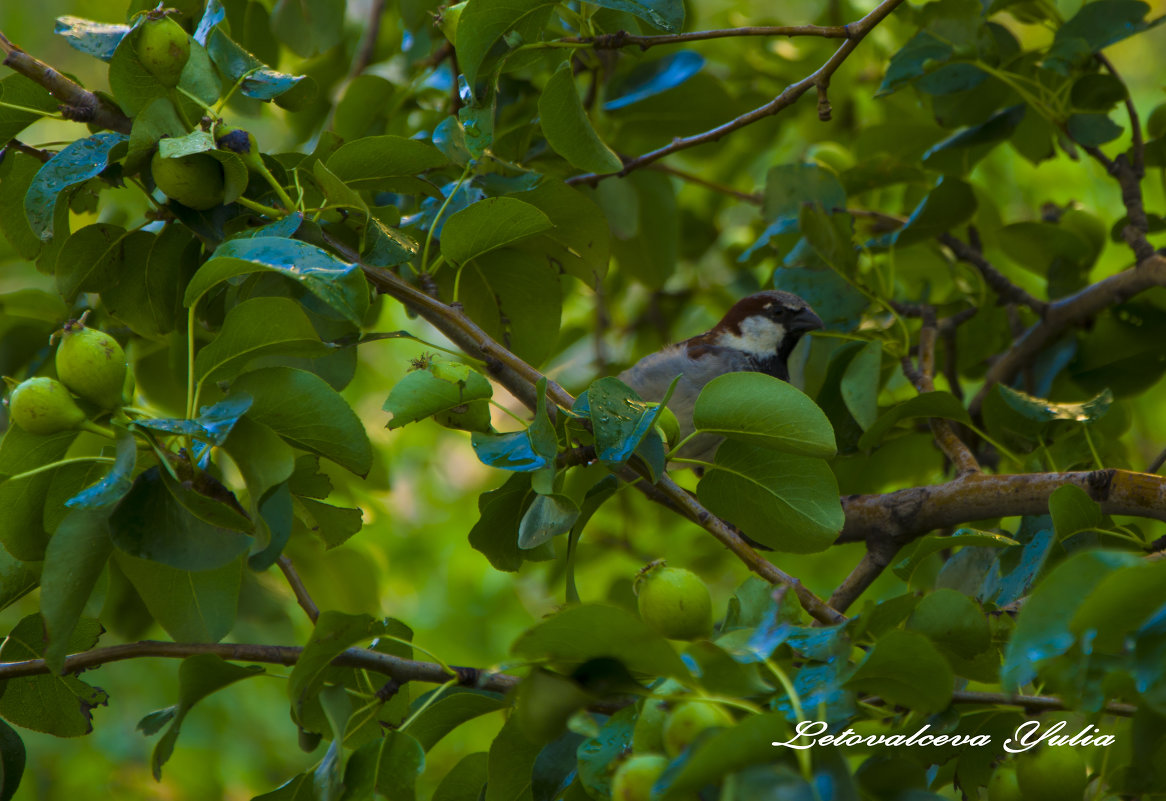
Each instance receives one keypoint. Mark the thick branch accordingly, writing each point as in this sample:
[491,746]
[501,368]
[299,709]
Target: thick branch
[619,39]
[1072,311]
[77,102]
[902,516]
[400,670]
[816,80]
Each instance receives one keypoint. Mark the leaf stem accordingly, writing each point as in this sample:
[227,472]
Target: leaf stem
[437,217]
[44,468]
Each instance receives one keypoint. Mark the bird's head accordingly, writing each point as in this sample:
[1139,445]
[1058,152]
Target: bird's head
[765,324]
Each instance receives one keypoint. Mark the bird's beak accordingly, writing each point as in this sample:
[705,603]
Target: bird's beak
[805,320]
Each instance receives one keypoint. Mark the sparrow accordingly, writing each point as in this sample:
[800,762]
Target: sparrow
[757,334]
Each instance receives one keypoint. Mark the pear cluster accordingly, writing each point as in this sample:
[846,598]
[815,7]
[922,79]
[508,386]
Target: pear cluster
[90,365]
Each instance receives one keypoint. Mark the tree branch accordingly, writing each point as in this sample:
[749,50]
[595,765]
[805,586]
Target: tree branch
[620,39]
[1071,311]
[368,44]
[1005,289]
[77,102]
[297,585]
[942,431]
[399,669]
[818,79]
[905,515]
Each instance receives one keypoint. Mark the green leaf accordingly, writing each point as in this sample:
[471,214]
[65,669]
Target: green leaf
[258,80]
[788,187]
[913,60]
[450,711]
[12,759]
[151,523]
[831,235]
[58,705]
[443,385]
[17,90]
[338,193]
[190,606]
[765,411]
[22,528]
[597,754]
[511,761]
[666,14]
[949,204]
[1119,605]
[580,239]
[74,559]
[78,162]
[374,161]
[464,781]
[726,751]
[308,414]
[905,669]
[830,295]
[339,284]
[482,23]
[135,87]
[1094,27]
[91,259]
[643,216]
[578,633]
[1092,130]
[308,27]
[500,510]
[1073,510]
[16,581]
[401,761]
[328,776]
[953,622]
[198,676]
[930,404]
[488,225]
[961,151]
[1042,628]
[16,173]
[547,517]
[787,502]
[568,130]
[933,543]
[334,632]
[263,326]
[516,297]
[1041,411]
[860,384]
[620,420]
[332,524]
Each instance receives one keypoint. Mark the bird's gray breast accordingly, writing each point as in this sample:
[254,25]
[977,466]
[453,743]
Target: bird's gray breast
[651,376]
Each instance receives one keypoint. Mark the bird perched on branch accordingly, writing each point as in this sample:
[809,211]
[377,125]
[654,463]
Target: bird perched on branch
[757,334]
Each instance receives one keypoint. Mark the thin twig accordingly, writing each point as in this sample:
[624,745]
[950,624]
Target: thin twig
[1138,145]
[1156,465]
[297,585]
[368,45]
[77,102]
[28,150]
[756,199]
[878,555]
[945,437]
[818,79]
[1004,288]
[620,39]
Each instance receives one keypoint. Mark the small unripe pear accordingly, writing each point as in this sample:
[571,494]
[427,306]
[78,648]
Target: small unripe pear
[690,719]
[195,181]
[674,601]
[163,48]
[92,364]
[43,406]
[238,141]
[634,778]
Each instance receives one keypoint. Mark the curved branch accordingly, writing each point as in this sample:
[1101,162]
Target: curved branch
[77,102]
[399,669]
[818,79]
[1071,311]
[905,515]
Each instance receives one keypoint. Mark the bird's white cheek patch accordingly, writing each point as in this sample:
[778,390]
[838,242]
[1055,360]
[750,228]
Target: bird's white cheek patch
[758,335]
